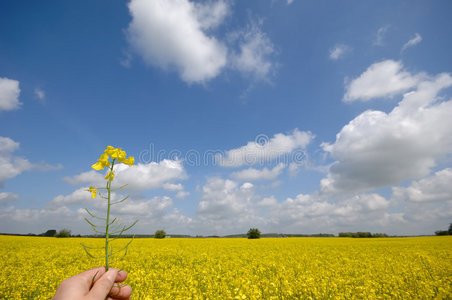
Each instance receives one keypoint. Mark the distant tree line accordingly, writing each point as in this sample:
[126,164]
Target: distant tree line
[445,232]
[362,234]
[63,233]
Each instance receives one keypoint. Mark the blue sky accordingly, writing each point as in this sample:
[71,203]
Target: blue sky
[290,116]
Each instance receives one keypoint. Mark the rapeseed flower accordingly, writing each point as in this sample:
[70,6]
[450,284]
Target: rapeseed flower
[109,227]
[92,190]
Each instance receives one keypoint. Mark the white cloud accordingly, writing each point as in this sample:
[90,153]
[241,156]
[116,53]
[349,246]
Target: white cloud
[414,41]
[381,80]
[153,214]
[254,56]
[179,188]
[6,197]
[173,186]
[379,149]
[252,174]
[222,199]
[339,51]
[40,94]
[226,207]
[79,196]
[268,201]
[91,177]
[9,94]
[10,165]
[265,149]
[182,194]
[317,214]
[211,14]
[173,34]
[156,207]
[437,187]
[381,34]
[289,2]
[17,220]
[140,176]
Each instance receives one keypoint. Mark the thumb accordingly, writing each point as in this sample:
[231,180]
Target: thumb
[102,287]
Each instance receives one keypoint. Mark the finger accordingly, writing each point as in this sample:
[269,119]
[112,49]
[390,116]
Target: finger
[91,276]
[122,275]
[120,291]
[104,284]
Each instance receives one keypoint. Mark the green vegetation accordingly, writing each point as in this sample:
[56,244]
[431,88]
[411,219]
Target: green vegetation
[160,234]
[445,232]
[50,233]
[254,233]
[362,234]
[63,233]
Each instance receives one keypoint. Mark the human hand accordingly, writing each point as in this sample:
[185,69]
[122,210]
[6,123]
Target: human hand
[94,284]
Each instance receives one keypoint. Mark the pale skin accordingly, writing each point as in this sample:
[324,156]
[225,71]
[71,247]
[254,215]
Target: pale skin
[94,284]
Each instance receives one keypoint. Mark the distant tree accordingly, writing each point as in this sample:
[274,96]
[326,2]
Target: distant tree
[361,234]
[345,234]
[253,233]
[379,235]
[160,234]
[50,232]
[364,234]
[63,233]
[442,232]
[445,232]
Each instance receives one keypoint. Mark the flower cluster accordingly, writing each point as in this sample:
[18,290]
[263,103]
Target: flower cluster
[117,155]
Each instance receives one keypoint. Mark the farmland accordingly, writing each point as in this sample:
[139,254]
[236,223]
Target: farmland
[272,268]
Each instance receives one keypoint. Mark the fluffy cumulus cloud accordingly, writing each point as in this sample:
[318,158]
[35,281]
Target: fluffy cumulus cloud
[64,211]
[139,177]
[435,188]
[79,196]
[9,94]
[180,35]
[264,149]
[222,198]
[412,42]
[381,80]
[252,174]
[255,51]
[11,165]
[314,213]
[339,51]
[379,149]
[227,206]
[174,34]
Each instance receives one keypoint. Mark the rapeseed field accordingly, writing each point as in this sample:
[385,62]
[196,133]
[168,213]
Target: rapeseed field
[273,268]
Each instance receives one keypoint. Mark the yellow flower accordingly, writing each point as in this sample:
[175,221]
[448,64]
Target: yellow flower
[129,161]
[102,162]
[110,176]
[97,166]
[117,153]
[110,150]
[92,190]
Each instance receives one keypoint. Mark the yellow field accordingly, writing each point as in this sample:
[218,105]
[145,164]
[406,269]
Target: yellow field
[290,268]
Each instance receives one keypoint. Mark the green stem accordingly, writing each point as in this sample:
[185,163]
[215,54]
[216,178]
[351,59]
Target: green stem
[108,219]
